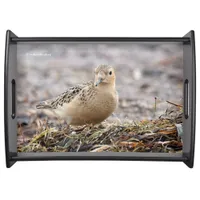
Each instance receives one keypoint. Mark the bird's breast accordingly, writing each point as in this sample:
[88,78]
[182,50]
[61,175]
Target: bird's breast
[103,103]
[93,109]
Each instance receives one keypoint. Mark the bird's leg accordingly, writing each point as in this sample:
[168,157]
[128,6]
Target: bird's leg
[90,126]
[59,124]
[67,123]
[67,126]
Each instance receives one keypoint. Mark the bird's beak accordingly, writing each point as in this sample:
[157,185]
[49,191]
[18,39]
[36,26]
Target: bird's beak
[100,78]
[98,81]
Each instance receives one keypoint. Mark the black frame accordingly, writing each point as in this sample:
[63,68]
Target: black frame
[189,103]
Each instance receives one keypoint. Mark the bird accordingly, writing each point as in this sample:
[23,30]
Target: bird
[88,103]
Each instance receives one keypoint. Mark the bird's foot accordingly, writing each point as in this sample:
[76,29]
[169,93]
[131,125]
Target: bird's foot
[67,126]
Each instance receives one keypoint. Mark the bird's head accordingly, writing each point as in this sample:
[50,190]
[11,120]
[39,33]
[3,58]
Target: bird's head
[104,74]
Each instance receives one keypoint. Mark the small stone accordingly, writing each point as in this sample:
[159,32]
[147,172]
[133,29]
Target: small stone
[73,132]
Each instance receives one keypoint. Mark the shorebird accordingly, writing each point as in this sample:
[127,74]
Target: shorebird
[87,103]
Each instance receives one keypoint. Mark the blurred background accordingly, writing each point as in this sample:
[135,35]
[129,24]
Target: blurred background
[143,70]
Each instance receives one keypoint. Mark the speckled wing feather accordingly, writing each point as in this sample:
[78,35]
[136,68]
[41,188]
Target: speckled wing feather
[65,97]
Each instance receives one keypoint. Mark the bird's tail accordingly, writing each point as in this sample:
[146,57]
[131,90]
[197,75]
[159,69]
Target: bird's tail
[43,105]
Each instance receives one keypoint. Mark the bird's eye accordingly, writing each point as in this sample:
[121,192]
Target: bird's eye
[110,72]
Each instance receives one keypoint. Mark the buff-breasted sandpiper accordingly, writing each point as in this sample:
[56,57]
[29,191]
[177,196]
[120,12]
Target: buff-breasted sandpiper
[87,103]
